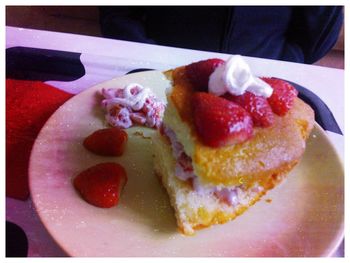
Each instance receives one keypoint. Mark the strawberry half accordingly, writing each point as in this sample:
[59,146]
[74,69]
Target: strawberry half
[107,142]
[257,106]
[199,72]
[220,122]
[283,95]
[102,184]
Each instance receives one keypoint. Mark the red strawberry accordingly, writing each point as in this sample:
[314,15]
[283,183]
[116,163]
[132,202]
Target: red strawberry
[107,142]
[257,106]
[283,96]
[185,162]
[101,185]
[220,122]
[198,73]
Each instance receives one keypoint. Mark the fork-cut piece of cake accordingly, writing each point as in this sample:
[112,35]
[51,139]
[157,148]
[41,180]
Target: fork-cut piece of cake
[220,148]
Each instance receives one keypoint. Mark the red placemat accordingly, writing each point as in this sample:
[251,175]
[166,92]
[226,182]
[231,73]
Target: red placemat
[28,106]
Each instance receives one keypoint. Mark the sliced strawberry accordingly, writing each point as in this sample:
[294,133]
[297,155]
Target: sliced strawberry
[107,142]
[220,122]
[102,184]
[199,72]
[257,106]
[283,96]
[185,162]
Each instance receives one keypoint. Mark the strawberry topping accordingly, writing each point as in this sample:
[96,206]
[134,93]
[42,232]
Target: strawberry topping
[283,96]
[257,106]
[101,185]
[199,72]
[107,142]
[220,122]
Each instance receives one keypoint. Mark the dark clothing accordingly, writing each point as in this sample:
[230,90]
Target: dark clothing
[300,34]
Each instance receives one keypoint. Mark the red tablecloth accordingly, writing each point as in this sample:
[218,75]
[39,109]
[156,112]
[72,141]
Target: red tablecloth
[28,106]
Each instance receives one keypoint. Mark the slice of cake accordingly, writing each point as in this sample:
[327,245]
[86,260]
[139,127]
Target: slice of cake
[227,138]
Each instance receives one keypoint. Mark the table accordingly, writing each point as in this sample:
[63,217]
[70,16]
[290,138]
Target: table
[104,59]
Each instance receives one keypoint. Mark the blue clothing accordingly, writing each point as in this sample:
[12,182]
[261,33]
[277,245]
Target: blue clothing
[301,34]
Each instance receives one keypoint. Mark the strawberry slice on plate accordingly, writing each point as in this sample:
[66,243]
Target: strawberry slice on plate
[257,106]
[199,72]
[107,142]
[102,184]
[283,95]
[219,122]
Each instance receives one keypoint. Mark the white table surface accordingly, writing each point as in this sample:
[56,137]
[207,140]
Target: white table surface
[120,57]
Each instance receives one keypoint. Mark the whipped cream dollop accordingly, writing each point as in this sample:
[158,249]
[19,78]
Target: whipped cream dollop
[132,105]
[132,95]
[235,77]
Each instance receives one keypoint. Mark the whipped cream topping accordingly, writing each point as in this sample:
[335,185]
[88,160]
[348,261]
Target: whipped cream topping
[235,77]
[133,104]
[132,95]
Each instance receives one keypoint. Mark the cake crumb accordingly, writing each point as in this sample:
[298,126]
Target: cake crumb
[140,133]
[268,200]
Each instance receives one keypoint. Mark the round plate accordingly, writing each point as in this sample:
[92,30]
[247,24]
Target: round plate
[301,217]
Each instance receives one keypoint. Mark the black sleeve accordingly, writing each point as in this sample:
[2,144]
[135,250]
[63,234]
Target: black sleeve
[314,31]
[124,23]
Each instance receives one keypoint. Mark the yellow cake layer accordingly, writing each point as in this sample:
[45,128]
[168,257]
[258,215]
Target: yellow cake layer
[195,211]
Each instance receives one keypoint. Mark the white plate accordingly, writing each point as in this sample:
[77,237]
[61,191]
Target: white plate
[305,217]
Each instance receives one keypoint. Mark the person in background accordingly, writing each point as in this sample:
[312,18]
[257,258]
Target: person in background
[301,34]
